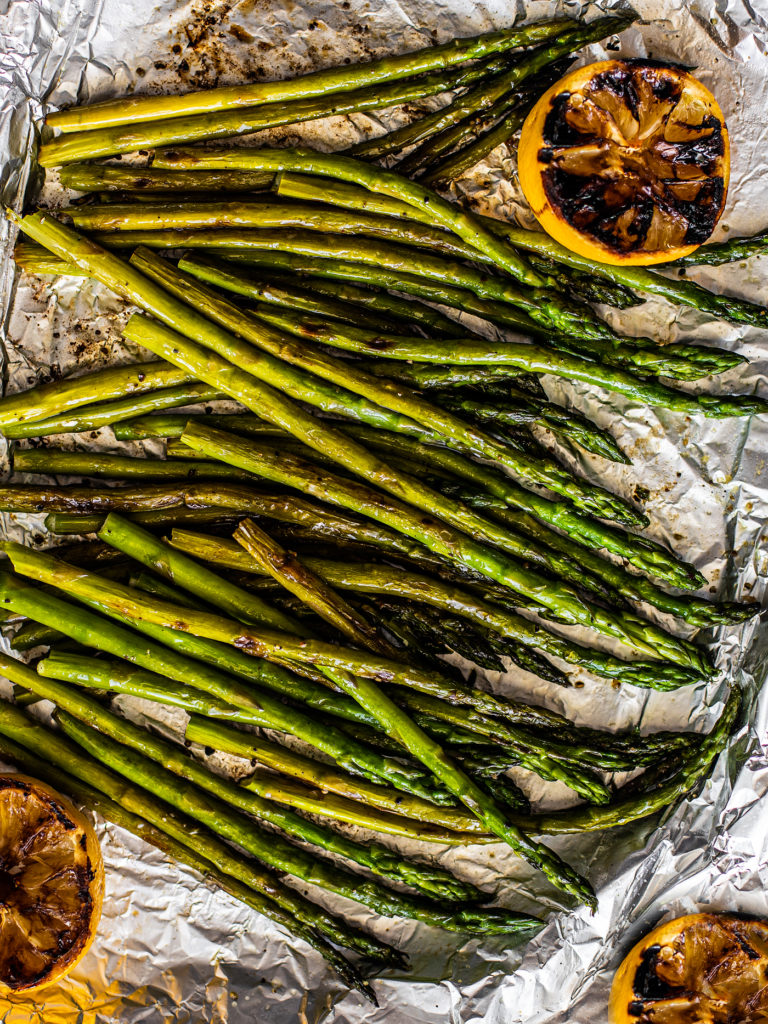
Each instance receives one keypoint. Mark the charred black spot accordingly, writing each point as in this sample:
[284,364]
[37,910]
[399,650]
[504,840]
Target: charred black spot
[557,132]
[703,212]
[647,984]
[636,1008]
[620,81]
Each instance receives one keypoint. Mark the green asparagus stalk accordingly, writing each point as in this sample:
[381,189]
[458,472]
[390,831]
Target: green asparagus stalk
[132,540]
[318,83]
[103,178]
[221,373]
[233,215]
[485,93]
[189,853]
[364,690]
[170,562]
[715,254]
[393,397]
[381,303]
[172,425]
[94,631]
[295,577]
[492,380]
[398,724]
[228,808]
[103,414]
[696,611]
[131,794]
[451,125]
[389,255]
[455,164]
[636,279]
[102,142]
[379,859]
[321,777]
[683,362]
[644,554]
[57,461]
[383,580]
[314,592]
[559,314]
[115,677]
[533,359]
[63,395]
[347,306]
[566,425]
[294,472]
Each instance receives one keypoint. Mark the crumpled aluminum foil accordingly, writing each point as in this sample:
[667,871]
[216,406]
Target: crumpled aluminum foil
[169,948]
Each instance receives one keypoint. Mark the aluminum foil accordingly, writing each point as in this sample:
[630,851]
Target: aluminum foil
[168,948]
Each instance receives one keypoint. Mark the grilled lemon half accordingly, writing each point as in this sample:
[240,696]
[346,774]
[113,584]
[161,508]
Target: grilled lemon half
[698,969]
[51,884]
[626,162]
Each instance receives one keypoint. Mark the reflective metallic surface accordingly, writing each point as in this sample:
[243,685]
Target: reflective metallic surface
[168,947]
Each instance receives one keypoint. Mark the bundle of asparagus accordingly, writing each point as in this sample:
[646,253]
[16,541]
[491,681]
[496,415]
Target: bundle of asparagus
[381,447]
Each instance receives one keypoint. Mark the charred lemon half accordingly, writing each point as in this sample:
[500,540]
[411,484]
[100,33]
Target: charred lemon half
[626,161]
[51,885]
[698,969]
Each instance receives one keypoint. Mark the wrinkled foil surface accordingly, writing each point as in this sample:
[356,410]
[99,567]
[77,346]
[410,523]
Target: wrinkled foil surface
[170,949]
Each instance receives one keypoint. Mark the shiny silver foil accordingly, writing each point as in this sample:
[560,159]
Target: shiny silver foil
[168,948]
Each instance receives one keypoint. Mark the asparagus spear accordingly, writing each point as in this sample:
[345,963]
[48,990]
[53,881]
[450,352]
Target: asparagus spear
[103,178]
[292,574]
[378,301]
[365,691]
[57,750]
[397,399]
[172,425]
[347,306]
[448,127]
[560,315]
[318,83]
[61,396]
[683,362]
[110,141]
[441,172]
[438,539]
[644,554]
[492,380]
[298,579]
[187,853]
[222,805]
[529,305]
[565,424]
[140,610]
[221,372]
[102,414]
[637,279]
[169,561]
[482,96]
[321,777]
[398,724]
[432,882]
[717,253]
[57,461]
[696,611]
[429,821]
[232,215]
[94,631]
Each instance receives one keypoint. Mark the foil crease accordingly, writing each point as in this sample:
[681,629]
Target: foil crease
[168,947]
